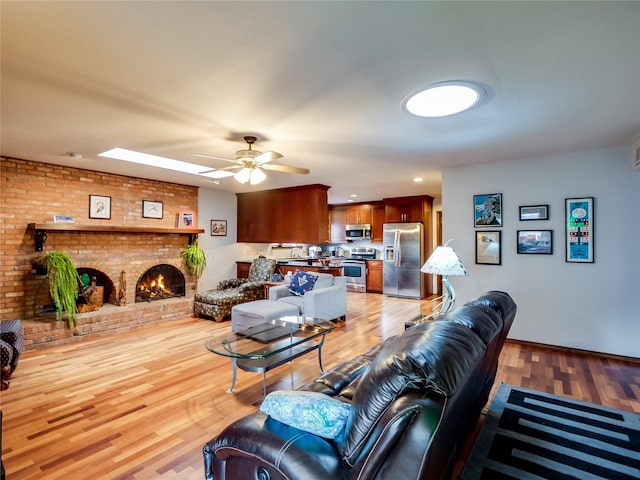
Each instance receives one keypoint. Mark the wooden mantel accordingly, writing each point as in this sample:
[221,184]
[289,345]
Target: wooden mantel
[42,228]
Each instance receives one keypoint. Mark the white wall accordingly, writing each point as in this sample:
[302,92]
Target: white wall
[588,306]
[222,252]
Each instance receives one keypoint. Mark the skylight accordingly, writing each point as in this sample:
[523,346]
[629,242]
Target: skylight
[442,99]
[163,162]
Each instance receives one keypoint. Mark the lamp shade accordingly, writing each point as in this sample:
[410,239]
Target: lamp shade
[444,261]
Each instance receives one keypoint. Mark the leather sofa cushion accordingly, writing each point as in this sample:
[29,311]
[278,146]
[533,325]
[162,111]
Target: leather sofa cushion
[433,358]
[486,323]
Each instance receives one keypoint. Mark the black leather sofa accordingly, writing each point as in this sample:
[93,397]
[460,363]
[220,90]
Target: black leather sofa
[414,400]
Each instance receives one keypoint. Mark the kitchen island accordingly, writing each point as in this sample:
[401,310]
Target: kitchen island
[286,265]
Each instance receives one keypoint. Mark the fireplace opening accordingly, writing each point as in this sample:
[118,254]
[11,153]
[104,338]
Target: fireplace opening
[160,282]
[102,280]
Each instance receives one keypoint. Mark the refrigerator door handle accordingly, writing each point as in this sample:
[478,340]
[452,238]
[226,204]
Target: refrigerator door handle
[396,246]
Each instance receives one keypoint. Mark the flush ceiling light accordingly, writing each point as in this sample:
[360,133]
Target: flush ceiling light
[162,162]
[442,99]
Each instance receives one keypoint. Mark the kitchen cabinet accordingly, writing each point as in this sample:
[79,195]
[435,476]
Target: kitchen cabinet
[377,222]
[338,221]
[342,215]
[374,276]
[284,215]
[242,269]
[408,209]
[359,214]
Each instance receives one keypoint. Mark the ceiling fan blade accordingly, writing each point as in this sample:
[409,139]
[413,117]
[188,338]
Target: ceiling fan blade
[285,168]
[267,157]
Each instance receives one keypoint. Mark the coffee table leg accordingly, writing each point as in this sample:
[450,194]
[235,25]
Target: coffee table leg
[233,378]
[320,353]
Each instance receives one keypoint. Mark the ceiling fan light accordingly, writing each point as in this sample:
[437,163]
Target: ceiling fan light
[243,175]
[257,176]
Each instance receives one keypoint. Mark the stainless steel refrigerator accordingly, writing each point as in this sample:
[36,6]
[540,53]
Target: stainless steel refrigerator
[403,256]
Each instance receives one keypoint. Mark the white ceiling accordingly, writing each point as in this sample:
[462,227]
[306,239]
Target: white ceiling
[320,82]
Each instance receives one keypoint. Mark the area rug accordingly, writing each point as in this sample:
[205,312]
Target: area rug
[530,435]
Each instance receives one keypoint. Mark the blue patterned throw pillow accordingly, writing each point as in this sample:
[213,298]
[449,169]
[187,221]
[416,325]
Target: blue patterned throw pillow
[312,412]
[301,282]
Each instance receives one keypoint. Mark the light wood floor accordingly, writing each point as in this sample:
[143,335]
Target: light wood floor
[141,405]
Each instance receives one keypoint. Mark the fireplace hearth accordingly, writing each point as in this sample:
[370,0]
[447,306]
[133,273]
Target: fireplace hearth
[159,283]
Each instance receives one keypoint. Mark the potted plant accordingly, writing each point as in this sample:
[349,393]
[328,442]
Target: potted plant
[194,259]
[63,283]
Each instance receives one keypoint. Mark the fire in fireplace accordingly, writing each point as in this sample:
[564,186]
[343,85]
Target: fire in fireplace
[160,282]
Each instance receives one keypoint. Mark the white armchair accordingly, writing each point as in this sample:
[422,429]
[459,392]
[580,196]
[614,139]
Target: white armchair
[327,300]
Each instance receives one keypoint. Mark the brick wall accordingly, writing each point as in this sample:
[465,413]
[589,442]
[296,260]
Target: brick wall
[32,192]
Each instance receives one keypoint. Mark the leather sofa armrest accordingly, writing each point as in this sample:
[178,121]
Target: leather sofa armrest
[282,452]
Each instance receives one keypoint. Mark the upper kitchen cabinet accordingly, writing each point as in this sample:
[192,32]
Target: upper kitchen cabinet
[359,214]
[284,215]
[338,221]
[408,209]
[341,215]
[377,222]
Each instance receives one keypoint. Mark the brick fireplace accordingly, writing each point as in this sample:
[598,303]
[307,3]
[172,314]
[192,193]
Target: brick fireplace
[33,192]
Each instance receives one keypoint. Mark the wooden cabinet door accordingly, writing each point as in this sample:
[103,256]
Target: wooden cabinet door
[285,215]
[374,276]
[359,214]
[242,269]
[338,217]
[377,222]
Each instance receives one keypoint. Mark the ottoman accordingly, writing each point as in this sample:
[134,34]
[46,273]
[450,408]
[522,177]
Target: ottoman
[249,314]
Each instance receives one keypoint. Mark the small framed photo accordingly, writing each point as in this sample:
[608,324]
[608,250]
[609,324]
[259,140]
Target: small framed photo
[489,247]
[218,228]
[99,207]
[187,219]
[151,209]
[580,229]
[487,210]
[538,242]
[63,219]
[534,212]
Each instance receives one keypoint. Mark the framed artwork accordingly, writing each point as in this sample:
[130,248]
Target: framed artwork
[579,234]
[187,219]
[487,210]
[535,242]
[63,219]
[99,207]
[218,228]
[534,212]
[489,247]
[151,209]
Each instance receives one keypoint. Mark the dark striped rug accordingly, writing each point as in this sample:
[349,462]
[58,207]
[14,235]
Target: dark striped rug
[531,435]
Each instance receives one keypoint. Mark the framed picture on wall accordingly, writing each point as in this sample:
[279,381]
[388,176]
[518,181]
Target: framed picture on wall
[489,247]
[535,242]
[487,210]
[580,229]
[218,228]
[534,212]
[99,207]
[151,209]
[187,219]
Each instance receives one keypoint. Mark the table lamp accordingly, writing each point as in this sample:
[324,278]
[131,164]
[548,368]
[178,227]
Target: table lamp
[444,261]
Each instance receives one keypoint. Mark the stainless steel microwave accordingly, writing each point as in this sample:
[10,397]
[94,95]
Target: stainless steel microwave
[360,231]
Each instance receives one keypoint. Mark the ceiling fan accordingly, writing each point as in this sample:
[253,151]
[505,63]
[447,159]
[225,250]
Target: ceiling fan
[252,162]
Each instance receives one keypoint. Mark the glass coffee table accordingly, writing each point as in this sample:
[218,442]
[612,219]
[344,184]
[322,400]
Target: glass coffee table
[266,346]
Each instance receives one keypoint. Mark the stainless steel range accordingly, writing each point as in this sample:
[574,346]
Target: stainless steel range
[355,268]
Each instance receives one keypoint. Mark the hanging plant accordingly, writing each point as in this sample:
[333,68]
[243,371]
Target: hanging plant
[63,284]
[194,259]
